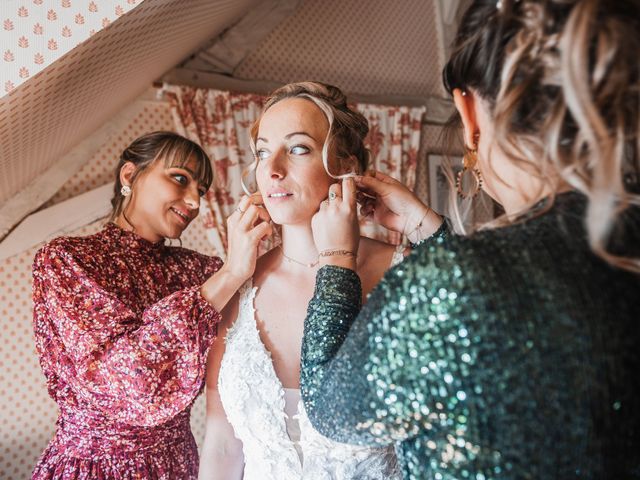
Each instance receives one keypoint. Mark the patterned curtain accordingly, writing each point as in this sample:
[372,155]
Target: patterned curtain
[393,141]
[221,123]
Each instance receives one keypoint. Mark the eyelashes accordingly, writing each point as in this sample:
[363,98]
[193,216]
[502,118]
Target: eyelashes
[184,181]
[263,153]
[299,150]
[181,179]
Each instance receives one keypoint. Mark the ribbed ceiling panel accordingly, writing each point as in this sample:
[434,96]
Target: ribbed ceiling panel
[51,112]
[373,47]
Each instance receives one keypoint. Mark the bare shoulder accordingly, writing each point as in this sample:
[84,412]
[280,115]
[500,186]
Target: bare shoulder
[374,259]
[374,252]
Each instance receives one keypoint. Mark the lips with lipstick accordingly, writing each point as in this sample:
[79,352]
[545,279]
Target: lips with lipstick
[181,214]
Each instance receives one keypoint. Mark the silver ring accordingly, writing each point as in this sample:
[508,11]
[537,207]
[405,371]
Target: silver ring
[332,195]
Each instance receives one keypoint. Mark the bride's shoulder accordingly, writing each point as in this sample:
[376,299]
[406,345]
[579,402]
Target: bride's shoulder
[375,251]
[374,259]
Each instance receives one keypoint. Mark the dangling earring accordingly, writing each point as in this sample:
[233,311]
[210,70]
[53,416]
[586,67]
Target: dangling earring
[171,242]
[125,190]
[469,167]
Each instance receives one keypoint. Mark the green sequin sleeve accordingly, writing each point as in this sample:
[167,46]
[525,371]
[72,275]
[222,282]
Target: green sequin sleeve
[509,354]
[364,378]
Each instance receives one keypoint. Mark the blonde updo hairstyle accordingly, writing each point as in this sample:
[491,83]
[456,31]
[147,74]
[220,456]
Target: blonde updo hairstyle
[347,128]
[562,80]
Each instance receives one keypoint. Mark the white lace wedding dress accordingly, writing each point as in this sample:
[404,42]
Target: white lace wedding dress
[279,442]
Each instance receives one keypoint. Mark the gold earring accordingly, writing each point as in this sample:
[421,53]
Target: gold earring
[469,168]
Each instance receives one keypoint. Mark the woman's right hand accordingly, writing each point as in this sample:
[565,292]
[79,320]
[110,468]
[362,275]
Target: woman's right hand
[395,207]
[247,226]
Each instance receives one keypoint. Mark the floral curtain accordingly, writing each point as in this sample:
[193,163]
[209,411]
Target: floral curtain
[393,142]
[221,123]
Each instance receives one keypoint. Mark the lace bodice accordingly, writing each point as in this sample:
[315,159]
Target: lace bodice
[254,401]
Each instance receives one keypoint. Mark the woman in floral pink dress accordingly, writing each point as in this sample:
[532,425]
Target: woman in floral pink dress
[123,323]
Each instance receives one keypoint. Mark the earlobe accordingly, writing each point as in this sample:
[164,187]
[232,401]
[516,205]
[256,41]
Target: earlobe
[465,104]
[126,173]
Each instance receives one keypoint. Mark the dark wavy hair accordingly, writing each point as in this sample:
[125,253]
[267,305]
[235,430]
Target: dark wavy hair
[562,79]
[173,149]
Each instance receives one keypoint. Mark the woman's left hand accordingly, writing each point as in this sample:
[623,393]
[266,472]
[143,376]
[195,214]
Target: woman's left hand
[335,226]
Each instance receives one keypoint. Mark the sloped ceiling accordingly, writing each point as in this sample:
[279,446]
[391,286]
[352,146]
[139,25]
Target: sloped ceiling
[373,47]
[53,111]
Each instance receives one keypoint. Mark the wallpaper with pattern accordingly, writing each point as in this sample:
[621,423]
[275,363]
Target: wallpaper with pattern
[34,33]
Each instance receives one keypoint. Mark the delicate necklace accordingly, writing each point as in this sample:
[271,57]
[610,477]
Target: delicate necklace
[309,265]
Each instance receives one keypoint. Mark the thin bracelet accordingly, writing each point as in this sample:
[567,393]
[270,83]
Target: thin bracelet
[418,226]
[335,253]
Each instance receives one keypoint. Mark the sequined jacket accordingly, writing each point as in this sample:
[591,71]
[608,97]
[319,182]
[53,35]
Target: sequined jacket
[510,354]
[122,332]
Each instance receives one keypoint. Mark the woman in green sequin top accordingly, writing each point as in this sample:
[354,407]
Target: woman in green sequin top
[512,352]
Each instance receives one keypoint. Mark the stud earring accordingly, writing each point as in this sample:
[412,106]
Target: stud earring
[125,190]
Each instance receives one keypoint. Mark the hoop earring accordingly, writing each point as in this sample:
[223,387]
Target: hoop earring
[469,166]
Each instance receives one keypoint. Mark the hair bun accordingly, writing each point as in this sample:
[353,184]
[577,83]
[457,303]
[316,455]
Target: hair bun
[336,97]
[362,126]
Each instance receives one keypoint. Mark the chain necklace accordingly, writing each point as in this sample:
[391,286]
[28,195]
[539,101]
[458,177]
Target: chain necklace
[293,260]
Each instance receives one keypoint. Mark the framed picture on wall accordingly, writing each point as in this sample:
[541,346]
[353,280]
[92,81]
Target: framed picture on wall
[439,187]
[478,210]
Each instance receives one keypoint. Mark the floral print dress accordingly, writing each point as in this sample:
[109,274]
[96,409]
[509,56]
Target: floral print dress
[122,332]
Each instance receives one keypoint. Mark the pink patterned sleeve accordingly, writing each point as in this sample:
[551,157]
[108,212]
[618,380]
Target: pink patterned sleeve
[139,376]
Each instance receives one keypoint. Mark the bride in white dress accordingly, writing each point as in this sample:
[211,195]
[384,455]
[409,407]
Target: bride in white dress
[256,427]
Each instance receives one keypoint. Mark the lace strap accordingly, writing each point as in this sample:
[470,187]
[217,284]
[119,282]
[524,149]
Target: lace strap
[246,310]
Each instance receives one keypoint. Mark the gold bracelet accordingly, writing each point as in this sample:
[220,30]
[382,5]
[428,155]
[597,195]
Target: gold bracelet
[418,226]
[335,253]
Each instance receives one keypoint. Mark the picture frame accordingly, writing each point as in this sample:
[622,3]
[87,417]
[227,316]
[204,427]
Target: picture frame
[477,210]
[439,188]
